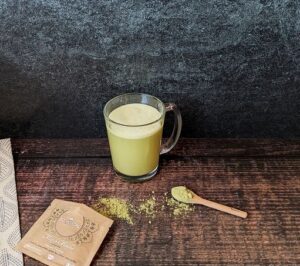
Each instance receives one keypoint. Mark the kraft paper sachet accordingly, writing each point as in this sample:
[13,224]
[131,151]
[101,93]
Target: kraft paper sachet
[67,234]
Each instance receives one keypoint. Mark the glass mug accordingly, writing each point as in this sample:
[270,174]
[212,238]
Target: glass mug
[135,147]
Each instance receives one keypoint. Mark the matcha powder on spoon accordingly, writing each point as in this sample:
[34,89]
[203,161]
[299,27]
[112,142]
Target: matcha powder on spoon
[181,193]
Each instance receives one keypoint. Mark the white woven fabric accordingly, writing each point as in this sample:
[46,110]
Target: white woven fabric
[9,216]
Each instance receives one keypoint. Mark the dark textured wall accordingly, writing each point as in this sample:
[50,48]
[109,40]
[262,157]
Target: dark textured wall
[233,67]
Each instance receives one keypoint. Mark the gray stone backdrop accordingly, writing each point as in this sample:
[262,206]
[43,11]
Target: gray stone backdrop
[233,67]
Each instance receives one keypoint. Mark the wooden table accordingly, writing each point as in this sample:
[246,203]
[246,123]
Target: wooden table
[261,177]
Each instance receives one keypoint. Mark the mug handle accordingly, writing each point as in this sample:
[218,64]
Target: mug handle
[172,140]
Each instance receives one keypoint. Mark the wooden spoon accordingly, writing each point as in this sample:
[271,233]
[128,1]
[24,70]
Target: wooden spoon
[185,195]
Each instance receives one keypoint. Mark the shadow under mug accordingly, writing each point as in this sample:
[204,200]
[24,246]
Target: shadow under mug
[135,149]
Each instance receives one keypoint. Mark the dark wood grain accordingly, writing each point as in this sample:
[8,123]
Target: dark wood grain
[267,187]
[186,147]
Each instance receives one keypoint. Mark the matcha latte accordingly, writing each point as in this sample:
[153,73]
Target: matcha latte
[135,147]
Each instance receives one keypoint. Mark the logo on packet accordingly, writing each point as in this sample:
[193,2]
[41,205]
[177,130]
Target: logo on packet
[70,225]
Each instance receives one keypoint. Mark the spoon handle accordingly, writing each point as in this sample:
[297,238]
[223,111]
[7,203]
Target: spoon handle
[221,207]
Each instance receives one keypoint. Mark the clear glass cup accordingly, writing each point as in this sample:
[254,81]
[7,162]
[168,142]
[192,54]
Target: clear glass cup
[135,149]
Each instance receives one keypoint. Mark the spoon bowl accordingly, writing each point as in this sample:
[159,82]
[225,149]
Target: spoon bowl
[182,194]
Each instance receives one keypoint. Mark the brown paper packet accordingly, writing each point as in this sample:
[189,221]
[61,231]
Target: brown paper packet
[67,234]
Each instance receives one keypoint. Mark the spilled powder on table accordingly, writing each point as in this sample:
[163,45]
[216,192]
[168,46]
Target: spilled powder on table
[148,207]
[114,208]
